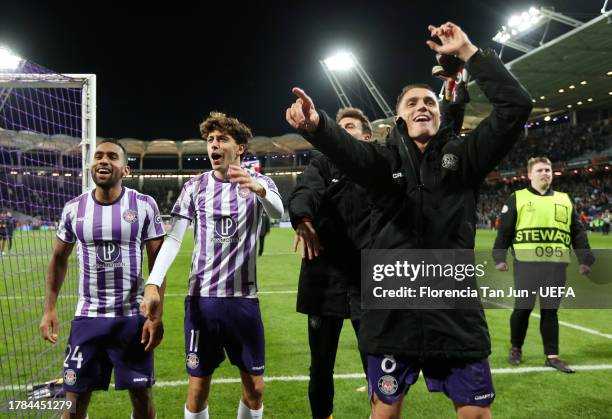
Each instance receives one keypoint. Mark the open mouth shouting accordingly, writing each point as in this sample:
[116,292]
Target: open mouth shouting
[216,158]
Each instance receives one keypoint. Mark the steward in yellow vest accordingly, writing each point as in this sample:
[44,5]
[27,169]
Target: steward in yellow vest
[541,225]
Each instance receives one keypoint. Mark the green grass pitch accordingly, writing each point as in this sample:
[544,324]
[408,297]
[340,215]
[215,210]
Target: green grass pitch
[547,394]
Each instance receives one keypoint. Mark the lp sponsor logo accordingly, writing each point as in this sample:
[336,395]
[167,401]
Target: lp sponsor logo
[108,252]
[225,226]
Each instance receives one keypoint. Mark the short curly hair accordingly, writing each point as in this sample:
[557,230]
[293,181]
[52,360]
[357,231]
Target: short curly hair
[227,124]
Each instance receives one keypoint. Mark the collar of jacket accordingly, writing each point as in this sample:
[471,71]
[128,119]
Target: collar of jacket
[549,192]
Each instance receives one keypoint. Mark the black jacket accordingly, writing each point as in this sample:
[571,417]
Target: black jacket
[428,200]
[342,216]
[340,213]
[507,228]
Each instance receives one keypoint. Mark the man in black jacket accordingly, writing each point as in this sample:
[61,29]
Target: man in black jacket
[424,184]
[331,218]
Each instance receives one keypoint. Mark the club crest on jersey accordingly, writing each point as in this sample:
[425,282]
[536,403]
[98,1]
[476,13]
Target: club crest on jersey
[450,161]
[225,226]
[70,377]
[108,252]
[387,384]
[244,192]
[192,361]
[130,216]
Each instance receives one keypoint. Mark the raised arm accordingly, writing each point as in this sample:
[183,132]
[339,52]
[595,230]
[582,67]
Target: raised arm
[496,134]
[365,163]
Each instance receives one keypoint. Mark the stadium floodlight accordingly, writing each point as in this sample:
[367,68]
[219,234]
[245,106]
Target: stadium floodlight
[340,61]
[344,61]
[8,59]
[527,21]
[519,24]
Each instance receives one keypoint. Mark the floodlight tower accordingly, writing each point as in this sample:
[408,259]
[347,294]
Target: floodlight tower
[9,62]
[340,62]
[345,61]
[527,21]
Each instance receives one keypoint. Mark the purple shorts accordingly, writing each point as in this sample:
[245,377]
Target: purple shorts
[215,324]
[465,383]
[96,345]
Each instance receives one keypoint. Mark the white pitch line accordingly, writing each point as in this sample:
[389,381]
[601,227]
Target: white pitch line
[258,292]
[287,378]
[561,322]
[16,297]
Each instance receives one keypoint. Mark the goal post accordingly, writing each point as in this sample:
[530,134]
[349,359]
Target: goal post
[47,137]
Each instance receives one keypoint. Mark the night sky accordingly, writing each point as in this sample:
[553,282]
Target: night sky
[162,69]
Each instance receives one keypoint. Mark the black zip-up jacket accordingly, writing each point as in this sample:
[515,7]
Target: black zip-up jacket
[329,284]
[507,230]
[428,201]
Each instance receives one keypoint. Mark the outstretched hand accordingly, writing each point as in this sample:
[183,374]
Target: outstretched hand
[302,113]
[454,41]
[307,235]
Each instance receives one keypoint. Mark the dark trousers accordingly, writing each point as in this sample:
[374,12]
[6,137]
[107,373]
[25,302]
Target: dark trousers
[531,276]
[261,244]
[323,336]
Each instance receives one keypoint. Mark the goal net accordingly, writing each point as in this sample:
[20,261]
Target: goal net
[46,125]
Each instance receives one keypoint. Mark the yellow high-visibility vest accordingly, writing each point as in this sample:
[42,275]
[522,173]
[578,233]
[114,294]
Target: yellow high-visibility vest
[542,231]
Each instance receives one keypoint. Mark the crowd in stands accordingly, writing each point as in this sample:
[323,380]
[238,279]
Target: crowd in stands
[40,199]
[590,191]
[560,142]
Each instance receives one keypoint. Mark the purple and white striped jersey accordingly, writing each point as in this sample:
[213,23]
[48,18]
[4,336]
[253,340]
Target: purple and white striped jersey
[226,228]
[110,239]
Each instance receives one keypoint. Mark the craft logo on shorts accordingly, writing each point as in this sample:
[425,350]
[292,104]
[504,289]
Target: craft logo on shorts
[192,361]
[130,216]
[108,252]
[387,384]
[450,161]
[225,227]
[70,377]
[484,396]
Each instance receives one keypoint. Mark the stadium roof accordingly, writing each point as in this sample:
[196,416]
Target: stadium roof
[288,143]
[582,54]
